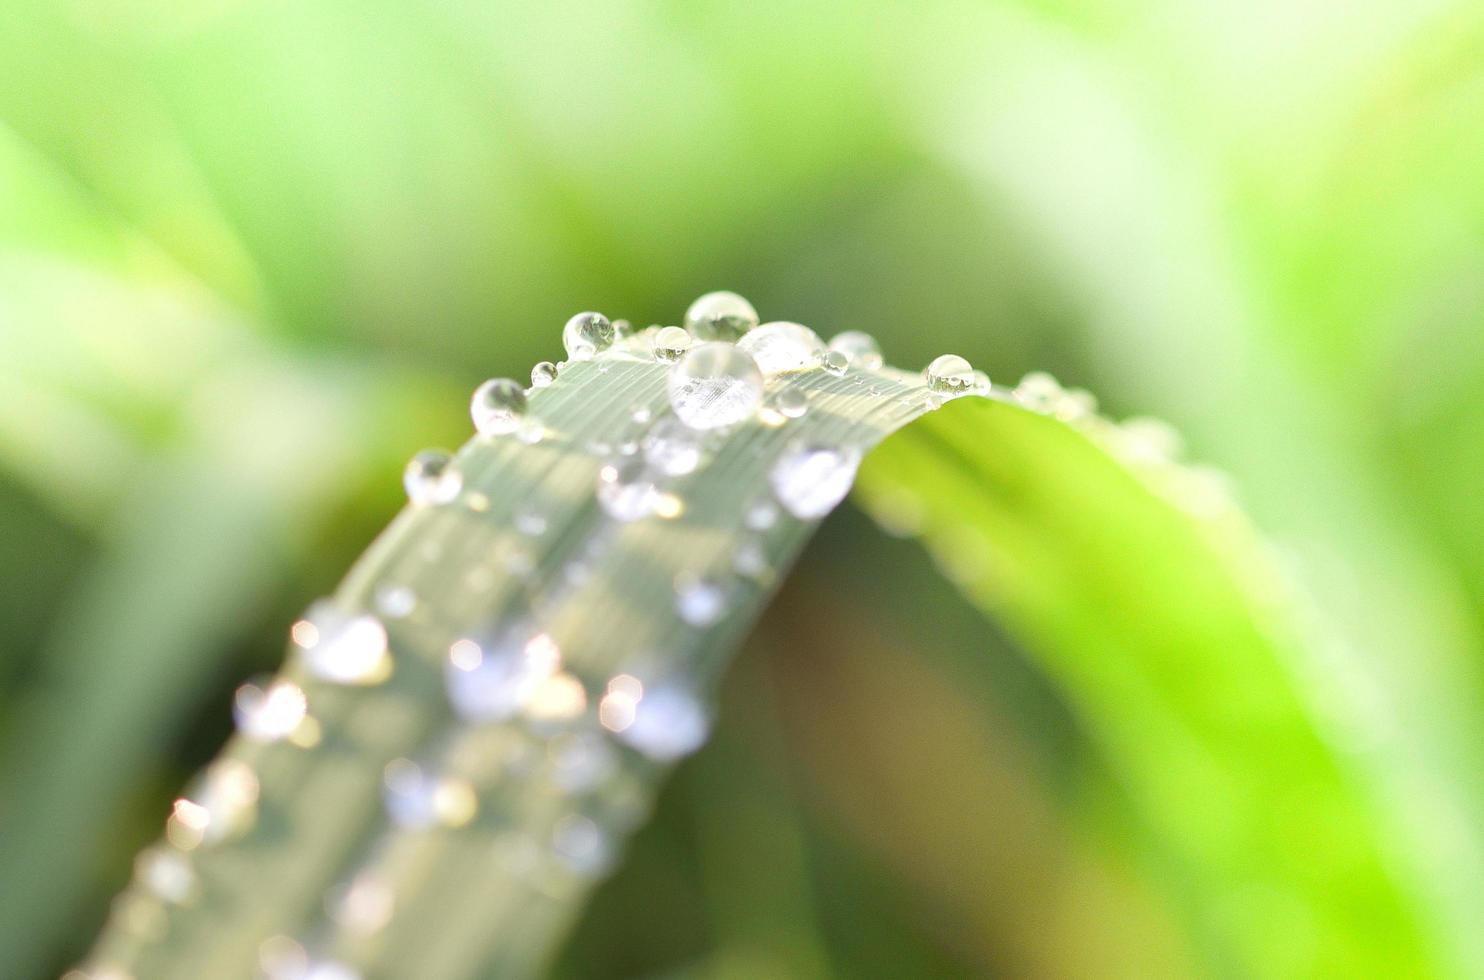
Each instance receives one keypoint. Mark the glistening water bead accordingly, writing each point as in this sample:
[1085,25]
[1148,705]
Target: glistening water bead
[860,349]
[781,347]
[587,334]
[430,478]
[498,406]
[543,374]
[949,373]
[720,316]
[810,480]
[342,646]
[670,343]
[715,385]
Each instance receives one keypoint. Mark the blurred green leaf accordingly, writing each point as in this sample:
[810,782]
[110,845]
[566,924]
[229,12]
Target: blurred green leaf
[1245,755]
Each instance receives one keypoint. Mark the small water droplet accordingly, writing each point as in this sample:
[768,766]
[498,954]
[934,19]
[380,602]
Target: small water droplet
[622,329]
[809,480]
[982,385]
[780,347]
[167,875]
[720,316]
[220,804]
[587,334]
[416,798]
[396,601]
[641,415]
[543,374]
[715,385]
[267,711]
[666,722]
[626,490]
[949,373]
[582,846]
[493,679]
[859,349]
[1039,392]
[342,646]
[430,478]
[836,363]
[498,406]
[701,602]
[761,515]
[792,403]
[672,447]
[670,343]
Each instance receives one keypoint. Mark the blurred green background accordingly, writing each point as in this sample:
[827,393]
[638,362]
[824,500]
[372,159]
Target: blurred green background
[254,253]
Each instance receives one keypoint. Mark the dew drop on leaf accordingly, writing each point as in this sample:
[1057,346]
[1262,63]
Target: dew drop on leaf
[498,406]
[430,478]
[715,385]
[720,316]
[670,343]
[949,373]
[781,347]
[586,335]
[810,480]
[859,348]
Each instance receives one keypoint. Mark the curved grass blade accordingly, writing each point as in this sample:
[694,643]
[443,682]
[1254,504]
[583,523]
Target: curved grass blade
[518,664]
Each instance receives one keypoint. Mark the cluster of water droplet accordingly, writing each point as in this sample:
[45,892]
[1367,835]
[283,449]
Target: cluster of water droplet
[723,372]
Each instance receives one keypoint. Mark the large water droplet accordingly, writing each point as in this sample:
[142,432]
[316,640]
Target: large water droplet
[342,646]
[949,373]
[498,406]
[781,346]
[430,478]
[672,447]
[670,343]
[491,680]
[543,374]
[665,723]
[626,490]
[860,349]
[585,335]
[720,316]
[810,480]
[715,385]
[267,711]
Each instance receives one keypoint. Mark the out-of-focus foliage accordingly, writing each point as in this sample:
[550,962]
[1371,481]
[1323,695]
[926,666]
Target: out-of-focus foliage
[253,254]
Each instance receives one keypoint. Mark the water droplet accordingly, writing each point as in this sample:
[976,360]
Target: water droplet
[835,363]
[582,846]
[761,515]
[1151,440]
[720,316]
[585,335]
[430,478]
[167,875]
[267,711]
[751,560]
[340,646]
[715,385]
[641,415]
[1076,404]
[364,906]
[559,698]
[700,602]
[416,798]
[780,347]
[859,349]
[543,374]
[982,385]
[666,722]
[670,343]
[792,403]
[672,447]
[498,406]
[810,480]
[622,329]
[493,679]
[949,373]
[396,601]
[220,804]
[1039,392]
[626,490]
